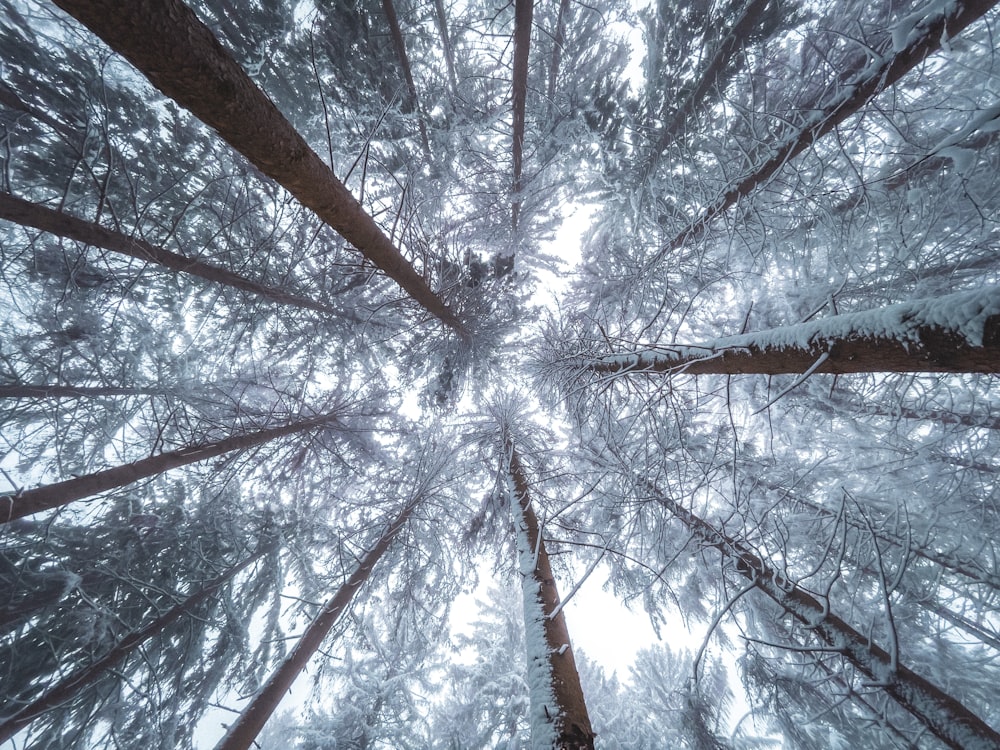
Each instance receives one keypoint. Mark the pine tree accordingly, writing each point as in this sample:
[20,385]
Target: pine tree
[222,219]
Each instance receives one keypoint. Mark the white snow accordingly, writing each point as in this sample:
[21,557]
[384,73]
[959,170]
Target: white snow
[906,31]
[965,313]
[542,714]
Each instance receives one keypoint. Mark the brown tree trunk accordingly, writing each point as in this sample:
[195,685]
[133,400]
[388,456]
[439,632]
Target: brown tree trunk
[67,688]
[449,55]
[72,391]
[955,333]
[569,715]
[63,225]
[838,406]
[55,495]
[711,76]
[167,43]
[242,733]
[875,79]
[413,103]
[523,10]
[943,715]
[558,39]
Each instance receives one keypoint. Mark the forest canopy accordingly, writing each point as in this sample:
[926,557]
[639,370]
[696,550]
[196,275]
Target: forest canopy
[322,316]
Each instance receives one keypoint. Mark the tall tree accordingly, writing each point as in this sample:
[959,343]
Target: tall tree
[33,215]
[920,40]
[65,689]
[523,10]
[957,333]
[948,719]
[49,496]
[559,711]
[252,719]
[162,40]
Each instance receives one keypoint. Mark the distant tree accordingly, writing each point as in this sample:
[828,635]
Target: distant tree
[47,497]
[64,691]
[252,719]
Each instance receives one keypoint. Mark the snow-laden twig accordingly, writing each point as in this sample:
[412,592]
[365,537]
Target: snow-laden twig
[576,587]
[696,666]
[798,381]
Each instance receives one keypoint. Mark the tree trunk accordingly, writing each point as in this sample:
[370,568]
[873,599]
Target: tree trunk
[413,103]
[67,688]
[558,39]
[244,731]
[955,333]
[943,715]
[72,391]
[563,702]
[167,43]
[711,77]
[843,407]
[523,10]
[875,78]
[63,225]
[56,495]
[449,55]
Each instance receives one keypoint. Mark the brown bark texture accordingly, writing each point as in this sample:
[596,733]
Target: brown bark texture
[945,717]
[872,81]
[72,391]
[523,11]
[570,716]
[243,732]
[63,225]
[558,40]
[168,44]
[399,45]
[49,496]
[69,687]
[907,337]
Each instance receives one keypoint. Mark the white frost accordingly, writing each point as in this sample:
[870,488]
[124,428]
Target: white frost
[543,711]
[964,313]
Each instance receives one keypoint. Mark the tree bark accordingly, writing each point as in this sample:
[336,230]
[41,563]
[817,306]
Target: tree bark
[56,495]
[449,55]
[711,76]
[837,406]
[955,333]
[168,44]
[875,78]
[558,39]
[72,391]
[67,688]
[569,715]
[399,45]
[523,10]
[242,733]
[63,225]
[943,715]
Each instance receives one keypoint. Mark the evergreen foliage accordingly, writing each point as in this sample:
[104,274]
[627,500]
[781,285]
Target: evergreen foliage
[725,273]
